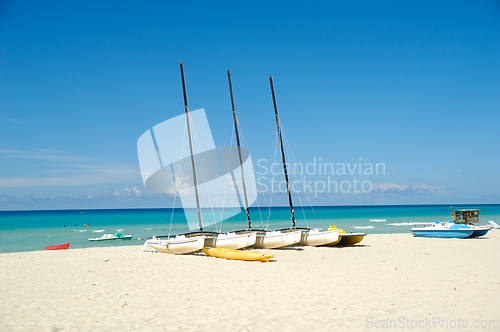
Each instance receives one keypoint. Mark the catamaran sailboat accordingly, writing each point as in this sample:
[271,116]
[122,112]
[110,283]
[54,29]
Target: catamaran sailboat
[193,241]
[293,235]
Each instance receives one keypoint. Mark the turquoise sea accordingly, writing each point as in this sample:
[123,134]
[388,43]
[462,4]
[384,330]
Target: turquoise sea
[32,230]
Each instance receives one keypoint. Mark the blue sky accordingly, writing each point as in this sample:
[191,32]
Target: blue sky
[413,85]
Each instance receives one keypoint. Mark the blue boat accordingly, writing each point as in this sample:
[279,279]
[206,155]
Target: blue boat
[469,217]
[462,227]
[459,231]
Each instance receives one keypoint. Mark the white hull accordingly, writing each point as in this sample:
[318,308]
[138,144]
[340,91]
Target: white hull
[277,239]
[315,237]
[230,240]
[176,245]
[106,237]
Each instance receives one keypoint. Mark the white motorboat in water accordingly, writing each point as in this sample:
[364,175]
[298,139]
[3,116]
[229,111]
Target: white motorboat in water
[116,236]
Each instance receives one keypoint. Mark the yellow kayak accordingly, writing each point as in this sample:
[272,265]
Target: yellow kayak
[237,255]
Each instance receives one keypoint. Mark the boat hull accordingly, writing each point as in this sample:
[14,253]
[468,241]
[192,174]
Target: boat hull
[58,247]
[447,233]
[277,239]
[125,237]
[230,240]
[177,245]
[479,232]
[351,238]
[316,237]
[237,255]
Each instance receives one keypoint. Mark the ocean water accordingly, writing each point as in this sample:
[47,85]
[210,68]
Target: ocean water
[32,230]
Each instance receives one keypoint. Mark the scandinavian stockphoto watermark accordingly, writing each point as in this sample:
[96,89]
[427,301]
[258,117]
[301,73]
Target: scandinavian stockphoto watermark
[318,177]
[431,323]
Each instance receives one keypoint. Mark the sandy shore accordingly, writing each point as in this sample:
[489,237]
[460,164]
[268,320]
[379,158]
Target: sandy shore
[411,281]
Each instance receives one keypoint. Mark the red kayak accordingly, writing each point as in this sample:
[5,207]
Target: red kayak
[58,247]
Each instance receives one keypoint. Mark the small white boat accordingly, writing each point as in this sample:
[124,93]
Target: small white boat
[277,239]
[231,240]
[316,237]
[178,245]
[116,236]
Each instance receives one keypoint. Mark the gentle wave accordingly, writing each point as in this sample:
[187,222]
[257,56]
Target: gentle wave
[120,230]
[79,230]
[99,230]
[410,223]
[377,220]
[363,227]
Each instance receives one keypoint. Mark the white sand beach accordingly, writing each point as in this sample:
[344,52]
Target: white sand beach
[394,281]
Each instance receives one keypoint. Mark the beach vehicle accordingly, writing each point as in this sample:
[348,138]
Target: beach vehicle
[345,238]
[462,227]
[58,247]
[107,237]
[237,255]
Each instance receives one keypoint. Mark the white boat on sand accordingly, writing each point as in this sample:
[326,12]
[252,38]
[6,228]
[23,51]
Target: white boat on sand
[316,237]
[294,235]
[179,244]
[277,239]
[231,240]
[190,242]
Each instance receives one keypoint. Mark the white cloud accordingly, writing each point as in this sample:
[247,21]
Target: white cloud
[126,192]
[12,120]
[66,170]
[46,154]
[399,188]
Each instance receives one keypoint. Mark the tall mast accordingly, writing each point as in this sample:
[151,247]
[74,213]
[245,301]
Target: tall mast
[239,151]
[282,151]
[191,149]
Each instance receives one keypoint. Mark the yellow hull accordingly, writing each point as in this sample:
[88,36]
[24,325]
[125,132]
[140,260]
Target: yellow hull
[237,255]
[344,238]
[350,239]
